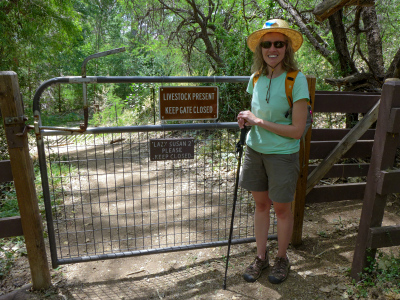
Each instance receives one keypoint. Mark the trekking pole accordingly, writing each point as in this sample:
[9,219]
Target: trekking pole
[239,149]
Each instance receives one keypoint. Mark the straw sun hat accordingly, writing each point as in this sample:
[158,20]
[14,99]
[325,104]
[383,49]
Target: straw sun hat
[275,25]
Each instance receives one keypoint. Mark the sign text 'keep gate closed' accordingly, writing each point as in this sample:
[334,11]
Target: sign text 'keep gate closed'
[188,103]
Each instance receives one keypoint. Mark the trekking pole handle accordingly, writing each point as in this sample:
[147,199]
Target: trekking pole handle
[243,133]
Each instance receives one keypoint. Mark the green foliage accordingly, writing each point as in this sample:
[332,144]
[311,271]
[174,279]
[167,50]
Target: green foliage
[143,102]
[381,277]
[10,249]
[8,198]
[8,201]
[33,35]
[387,18]
[312,64]
[57,119]
[3,142]
[233,99]
[112,113]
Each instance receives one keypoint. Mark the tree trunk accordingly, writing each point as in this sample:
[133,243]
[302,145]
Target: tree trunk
[374,41]
[347,66]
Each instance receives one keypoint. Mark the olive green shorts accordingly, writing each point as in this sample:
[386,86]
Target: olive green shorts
[275,173]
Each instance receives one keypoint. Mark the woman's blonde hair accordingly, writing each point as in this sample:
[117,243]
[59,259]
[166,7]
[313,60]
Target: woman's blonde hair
[288,62]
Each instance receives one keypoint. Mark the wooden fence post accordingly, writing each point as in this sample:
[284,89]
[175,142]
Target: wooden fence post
[304,154]
[382,159]
[23,173]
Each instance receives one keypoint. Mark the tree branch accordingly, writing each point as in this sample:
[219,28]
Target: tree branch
[327,8]
[198,17]
[296,16]
[175,10]
[352,82]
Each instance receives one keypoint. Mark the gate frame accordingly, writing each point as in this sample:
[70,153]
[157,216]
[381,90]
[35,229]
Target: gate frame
[47,130]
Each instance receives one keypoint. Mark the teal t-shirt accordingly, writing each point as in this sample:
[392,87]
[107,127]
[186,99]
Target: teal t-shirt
[261,139]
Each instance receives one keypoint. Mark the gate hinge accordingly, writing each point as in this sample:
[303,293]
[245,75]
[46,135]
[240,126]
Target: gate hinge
[15,120]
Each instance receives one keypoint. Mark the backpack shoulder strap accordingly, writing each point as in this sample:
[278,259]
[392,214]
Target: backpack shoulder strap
[289,83]
[256,77]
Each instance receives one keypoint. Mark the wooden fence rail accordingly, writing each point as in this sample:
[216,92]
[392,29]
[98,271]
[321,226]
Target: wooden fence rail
[5,171]
[9,226]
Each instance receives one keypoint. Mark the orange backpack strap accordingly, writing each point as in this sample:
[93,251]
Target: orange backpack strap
[289,83]
[255,78]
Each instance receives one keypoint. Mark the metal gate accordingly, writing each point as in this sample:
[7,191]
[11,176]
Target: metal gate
[105,198]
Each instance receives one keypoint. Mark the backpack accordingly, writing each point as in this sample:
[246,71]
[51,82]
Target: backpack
[289,83]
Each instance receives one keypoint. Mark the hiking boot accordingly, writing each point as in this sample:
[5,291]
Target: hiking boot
[253,271]
[280,270]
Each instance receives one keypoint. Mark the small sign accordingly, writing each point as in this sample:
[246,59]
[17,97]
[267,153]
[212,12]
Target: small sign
[171,149]
[188,103]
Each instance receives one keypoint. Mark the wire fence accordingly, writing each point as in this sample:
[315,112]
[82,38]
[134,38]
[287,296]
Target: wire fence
[110,199]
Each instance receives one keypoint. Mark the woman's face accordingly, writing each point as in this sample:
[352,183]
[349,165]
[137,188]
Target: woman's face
[273,55]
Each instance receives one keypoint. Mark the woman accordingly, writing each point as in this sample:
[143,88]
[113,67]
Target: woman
[271,165]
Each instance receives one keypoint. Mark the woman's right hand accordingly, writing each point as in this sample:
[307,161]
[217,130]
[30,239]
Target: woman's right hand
[247,118]
[241,121]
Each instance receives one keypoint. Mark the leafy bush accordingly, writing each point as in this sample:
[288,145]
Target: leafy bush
[72,118]
[9,250]
[3,142]
[110,113]
[381,277]
[8,201]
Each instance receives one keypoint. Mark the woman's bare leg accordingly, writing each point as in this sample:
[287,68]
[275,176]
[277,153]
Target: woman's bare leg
[261,221]
[285,220]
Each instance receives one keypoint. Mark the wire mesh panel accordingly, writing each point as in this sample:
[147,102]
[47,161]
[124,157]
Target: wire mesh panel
[109,199]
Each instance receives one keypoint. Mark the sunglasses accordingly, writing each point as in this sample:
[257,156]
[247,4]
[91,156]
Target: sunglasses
[268,44]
